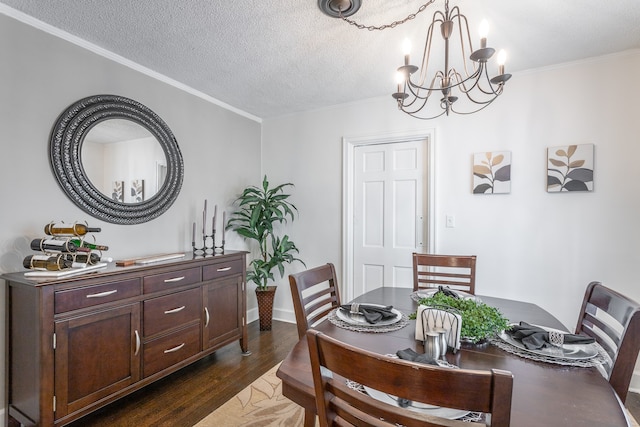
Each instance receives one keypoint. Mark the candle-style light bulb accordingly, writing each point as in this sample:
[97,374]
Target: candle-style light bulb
[399,80]
[502,58]
[484,32]
[406,49]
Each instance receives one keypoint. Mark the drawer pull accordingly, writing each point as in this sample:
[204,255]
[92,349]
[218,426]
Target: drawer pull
[176,348]
[175,310]
[137,342]
[175,279]
[223,269]
[102,294]
[206,313]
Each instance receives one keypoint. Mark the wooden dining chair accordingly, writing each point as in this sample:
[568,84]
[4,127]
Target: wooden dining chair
[315,293]
[614,321]
[488,392]
[455,271]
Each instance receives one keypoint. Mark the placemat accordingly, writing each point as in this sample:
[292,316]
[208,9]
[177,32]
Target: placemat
[333,318]
[602,358]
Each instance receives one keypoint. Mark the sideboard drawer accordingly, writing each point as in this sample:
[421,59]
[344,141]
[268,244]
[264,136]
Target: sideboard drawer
[171,311]
[74,299]
[161,282]
[222,269]
[171,349]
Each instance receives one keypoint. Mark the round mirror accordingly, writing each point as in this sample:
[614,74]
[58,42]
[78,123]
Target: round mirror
[124,161]
[116,159]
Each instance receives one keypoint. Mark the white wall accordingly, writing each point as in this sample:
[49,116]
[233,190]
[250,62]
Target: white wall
[531,245]
[40,76]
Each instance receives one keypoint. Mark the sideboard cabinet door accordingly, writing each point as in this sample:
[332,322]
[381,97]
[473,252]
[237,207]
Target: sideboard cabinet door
[96,355]
[224,314]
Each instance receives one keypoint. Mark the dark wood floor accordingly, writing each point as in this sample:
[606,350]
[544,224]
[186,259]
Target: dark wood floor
[187,396]
[633,405]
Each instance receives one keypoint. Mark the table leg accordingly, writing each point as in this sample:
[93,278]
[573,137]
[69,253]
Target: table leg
[309,418]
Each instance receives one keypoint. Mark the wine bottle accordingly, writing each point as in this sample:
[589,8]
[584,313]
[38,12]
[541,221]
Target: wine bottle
[45,262]
[85,244]
[69,230]
[84,258]
[55,245]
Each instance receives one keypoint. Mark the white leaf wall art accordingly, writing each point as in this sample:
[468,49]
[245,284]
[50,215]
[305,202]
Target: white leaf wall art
[492,172]
[137,190]
[570,168]
[117,193]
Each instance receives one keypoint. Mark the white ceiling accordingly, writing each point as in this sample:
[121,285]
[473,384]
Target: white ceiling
[270,58]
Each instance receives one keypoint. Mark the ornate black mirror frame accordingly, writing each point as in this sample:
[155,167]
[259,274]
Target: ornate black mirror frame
[65,146]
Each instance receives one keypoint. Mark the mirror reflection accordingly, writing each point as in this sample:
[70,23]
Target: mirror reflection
[124,161]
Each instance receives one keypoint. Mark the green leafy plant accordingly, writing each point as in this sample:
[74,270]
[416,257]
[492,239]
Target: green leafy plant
[479,321]
[259,209]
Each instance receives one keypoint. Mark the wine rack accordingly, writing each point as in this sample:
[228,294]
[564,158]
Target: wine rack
[65,247]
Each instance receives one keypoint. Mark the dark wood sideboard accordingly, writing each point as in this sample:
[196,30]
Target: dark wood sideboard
[79,343]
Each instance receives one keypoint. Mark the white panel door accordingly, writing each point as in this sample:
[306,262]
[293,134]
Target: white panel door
[389,210]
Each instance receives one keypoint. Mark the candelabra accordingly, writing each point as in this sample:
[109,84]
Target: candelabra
[207,249]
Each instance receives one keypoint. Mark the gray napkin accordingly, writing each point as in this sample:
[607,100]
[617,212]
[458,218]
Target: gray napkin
[534,337]
[372,314]
[408,354]
[448,292]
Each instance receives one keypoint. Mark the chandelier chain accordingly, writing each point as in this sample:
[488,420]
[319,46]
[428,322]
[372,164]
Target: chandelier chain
[385,26]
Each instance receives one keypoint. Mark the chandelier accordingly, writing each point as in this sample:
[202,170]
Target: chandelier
[462,86]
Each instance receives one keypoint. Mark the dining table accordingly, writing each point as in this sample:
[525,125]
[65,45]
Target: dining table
[544,394]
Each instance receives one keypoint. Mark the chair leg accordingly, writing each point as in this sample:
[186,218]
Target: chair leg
[309,418]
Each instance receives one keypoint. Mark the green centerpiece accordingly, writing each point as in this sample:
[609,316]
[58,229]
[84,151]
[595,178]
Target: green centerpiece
[479,321]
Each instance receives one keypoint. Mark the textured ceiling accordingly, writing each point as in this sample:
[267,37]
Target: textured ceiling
[270,58]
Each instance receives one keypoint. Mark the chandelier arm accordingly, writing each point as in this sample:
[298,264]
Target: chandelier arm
[420,102]
[462,19]
[461,82]
[477,84]
[494,91]
[469,94]
[384,26]
[414,111]
[482,107]
[429,89]
[426,54]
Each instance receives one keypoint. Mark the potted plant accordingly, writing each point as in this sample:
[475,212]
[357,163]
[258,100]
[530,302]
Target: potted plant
[259,209]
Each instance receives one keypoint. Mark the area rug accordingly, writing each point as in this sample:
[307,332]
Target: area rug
[261,404]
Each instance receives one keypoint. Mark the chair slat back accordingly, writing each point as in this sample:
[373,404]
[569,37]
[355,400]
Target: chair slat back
[614,321]
[479,391]
[455,271]
[315,293]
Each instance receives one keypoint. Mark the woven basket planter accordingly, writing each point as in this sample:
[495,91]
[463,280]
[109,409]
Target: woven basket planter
[265,306]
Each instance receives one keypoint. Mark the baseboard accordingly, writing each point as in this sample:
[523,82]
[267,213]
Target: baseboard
[635,382]
[281,315]
[284,315]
